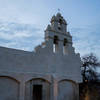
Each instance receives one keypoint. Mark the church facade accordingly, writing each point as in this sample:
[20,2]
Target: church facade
[51,72]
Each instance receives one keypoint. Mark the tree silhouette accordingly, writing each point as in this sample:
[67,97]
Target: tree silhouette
[89,64]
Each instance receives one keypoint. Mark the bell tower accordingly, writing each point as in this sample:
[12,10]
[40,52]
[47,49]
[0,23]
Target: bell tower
[59,39]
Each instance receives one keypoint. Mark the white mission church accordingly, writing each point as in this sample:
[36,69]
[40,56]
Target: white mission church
[51,72]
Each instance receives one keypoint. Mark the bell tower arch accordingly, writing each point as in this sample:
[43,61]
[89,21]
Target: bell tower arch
[57,35]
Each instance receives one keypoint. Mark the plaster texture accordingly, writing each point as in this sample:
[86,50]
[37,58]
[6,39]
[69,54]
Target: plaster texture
[54,64]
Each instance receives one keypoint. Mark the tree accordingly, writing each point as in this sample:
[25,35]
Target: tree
[89,64]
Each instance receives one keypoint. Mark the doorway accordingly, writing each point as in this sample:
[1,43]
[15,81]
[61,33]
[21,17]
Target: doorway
[37,92]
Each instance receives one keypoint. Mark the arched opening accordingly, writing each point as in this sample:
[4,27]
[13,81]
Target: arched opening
[37,89]
[59,24]
[9,88]
[55,45]
[67,90]
[65,44]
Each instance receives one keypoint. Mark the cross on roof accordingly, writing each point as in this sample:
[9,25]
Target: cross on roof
[58,10]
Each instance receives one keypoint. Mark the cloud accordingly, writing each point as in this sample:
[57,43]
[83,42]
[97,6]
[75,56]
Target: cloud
[27,36]
[19,36]
[87,39]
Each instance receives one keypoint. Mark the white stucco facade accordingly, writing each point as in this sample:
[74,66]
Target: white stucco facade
[54,65]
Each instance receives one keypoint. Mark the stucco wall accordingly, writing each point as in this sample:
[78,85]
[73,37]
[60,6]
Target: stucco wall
[42,66]
[9,88]
[67,90]
[42,61]
[19,86]
[45,87]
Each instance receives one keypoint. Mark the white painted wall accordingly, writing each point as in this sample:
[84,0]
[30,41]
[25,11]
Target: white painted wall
[42,63]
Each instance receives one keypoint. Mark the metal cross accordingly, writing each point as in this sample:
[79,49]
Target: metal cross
[58,10]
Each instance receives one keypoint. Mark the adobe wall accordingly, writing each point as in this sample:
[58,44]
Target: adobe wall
[58,72]
[18,86]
